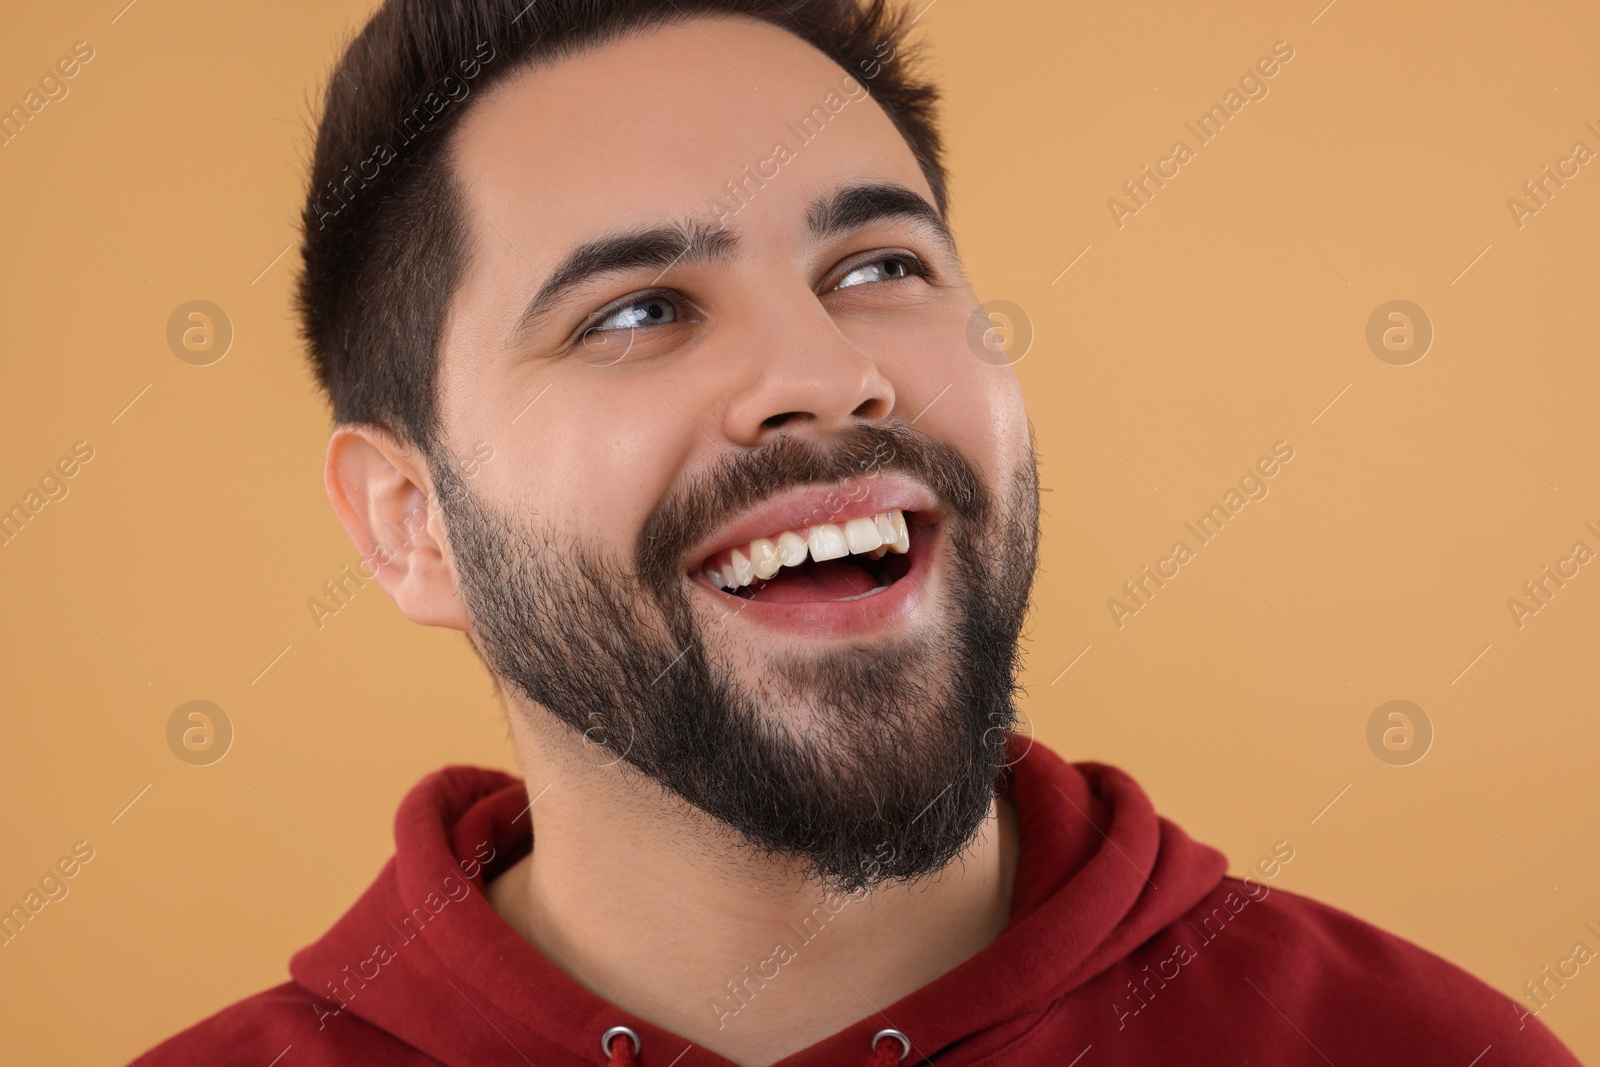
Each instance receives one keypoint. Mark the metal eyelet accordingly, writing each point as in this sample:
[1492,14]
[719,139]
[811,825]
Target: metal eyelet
[620,1031]
[905,1042]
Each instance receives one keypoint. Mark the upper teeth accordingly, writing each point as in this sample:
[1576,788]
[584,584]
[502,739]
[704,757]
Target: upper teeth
[869,535]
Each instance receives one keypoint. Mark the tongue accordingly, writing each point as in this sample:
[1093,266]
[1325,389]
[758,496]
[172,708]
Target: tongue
[828,580]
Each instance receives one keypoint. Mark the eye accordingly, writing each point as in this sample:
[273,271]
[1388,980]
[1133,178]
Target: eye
[642,311]
[884,268]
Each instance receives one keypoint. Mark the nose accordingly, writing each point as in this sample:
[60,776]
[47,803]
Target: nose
[798,373]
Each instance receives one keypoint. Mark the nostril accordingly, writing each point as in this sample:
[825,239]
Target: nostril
[772,422]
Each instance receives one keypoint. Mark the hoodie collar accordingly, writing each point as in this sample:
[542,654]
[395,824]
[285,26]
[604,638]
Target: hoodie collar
[422,955]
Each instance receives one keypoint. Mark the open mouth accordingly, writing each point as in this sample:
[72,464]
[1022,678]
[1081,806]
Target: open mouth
[829,562]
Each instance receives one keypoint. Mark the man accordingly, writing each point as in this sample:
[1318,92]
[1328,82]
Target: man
[654,370]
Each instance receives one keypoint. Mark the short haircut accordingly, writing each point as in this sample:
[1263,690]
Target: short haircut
[384,227]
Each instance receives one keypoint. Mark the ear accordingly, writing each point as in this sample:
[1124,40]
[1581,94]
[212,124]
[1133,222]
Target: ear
[382,491]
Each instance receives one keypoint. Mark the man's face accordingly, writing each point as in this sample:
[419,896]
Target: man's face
[785,367]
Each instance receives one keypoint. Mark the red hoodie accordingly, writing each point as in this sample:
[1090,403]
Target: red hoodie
[1126,945]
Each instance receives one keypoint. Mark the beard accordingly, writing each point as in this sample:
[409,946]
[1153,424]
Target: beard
[866,762]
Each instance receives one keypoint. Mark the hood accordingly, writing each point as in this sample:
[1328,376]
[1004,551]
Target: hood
[1098,874]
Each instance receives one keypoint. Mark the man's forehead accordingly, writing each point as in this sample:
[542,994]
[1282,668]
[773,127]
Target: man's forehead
[665,124]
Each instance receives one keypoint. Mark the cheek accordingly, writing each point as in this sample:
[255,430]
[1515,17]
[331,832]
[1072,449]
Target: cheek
[598,461]
[1011,415]
[981,412]
[989,422]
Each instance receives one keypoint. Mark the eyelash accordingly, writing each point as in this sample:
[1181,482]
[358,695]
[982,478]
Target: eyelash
[914,263]
[918,268]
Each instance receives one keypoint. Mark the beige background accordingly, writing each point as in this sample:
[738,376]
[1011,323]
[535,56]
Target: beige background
[1228,314]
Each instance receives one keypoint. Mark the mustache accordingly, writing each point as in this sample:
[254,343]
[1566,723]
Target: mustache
[736,482]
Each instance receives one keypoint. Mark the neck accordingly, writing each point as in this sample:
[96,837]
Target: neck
[650,905]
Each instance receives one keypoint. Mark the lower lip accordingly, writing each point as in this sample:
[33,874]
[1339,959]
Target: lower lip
[892,607]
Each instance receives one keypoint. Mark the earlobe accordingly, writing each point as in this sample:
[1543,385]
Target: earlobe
[382,493]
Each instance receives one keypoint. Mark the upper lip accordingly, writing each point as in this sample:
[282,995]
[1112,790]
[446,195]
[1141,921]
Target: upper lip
[806,506]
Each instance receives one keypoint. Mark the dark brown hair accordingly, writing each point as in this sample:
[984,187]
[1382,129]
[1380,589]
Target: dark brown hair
[384,230]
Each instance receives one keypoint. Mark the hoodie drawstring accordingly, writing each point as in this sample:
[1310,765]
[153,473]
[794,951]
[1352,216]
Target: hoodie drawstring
[620,1053]
[889,1047]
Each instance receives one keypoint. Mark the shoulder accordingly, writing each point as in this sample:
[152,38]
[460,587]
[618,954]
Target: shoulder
[262,1029]
[1308,960]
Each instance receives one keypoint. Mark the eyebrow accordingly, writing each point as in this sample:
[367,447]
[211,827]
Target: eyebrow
[696,241]
[851,207]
